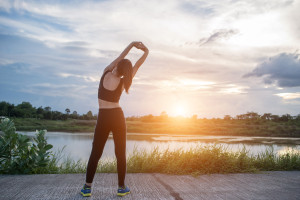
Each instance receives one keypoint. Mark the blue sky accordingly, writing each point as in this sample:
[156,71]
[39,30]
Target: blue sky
[209,58]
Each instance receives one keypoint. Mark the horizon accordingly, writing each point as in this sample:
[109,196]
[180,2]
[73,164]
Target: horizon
[163,113]
[208,59]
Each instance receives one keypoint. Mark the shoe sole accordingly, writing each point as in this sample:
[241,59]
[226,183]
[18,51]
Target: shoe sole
[86,195]
[123,194]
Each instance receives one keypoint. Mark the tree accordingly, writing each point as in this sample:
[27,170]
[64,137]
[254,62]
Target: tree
[227,117]
[25,109]
[239,117]
[285,117]
[47,113]
[10,109]
[74,115]
[56,115]
[163,113]
[253,115]
[275,118]
[147,118]
[40,112]
[47,108]
[194,117]
[163,116]
[89,114]
[266,116]
[4,108]
[67,111]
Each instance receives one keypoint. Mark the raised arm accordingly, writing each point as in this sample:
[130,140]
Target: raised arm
[138,63]
[112,65]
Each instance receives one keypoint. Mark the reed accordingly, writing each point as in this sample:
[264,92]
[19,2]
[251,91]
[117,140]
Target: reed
[202,159]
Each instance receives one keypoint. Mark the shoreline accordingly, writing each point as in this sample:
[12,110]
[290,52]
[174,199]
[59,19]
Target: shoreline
[196,138]
[164,133]
[174,128]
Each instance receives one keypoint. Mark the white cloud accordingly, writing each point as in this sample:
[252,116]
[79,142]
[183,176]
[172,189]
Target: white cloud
[86,78]
[234,89]
[289,96]
[58,90]
[5,62]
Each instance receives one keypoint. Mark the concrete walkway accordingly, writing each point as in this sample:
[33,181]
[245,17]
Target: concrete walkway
[266,185]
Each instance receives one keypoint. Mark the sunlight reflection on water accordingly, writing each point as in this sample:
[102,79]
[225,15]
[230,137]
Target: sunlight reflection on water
[289,150]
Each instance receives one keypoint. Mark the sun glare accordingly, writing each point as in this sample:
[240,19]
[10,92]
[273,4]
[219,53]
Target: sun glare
[180,110]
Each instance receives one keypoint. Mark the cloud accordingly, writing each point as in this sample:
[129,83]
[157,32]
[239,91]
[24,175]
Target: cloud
[282,69]
[86,78]
[218,35]
[57,90]
[203,9]
[289,96]
[199,71]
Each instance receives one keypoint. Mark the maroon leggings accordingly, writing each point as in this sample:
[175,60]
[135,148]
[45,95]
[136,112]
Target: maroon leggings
[111,119]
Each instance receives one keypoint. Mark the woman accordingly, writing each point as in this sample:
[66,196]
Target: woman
[116,77]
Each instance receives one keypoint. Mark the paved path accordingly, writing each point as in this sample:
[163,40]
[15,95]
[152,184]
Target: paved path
[266,185]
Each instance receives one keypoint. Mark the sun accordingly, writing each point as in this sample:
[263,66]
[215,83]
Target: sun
[180,110]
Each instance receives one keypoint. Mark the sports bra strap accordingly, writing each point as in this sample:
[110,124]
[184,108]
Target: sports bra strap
[109,95]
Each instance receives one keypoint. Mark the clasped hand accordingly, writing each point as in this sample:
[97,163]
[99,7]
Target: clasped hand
[139,45]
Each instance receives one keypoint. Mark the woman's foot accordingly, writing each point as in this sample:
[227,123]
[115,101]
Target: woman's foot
[86,191]
[122,191]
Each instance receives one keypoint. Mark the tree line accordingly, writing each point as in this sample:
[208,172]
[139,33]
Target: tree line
[265,116]
[26,110]
[249,116]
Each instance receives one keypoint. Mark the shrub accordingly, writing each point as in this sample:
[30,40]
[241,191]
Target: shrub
[19,154]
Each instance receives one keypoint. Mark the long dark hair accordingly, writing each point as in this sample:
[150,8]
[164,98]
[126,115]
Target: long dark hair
[124,69]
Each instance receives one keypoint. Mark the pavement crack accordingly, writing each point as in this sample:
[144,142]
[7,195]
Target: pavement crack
[169,188]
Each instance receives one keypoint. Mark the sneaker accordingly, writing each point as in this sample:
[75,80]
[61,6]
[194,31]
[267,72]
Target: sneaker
[86,191]
[122,191]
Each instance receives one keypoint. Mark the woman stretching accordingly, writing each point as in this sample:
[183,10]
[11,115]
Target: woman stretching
[116,77]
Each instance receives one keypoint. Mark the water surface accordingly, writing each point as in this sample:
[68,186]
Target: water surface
[78,145]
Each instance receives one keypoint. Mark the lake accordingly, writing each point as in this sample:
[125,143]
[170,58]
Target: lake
[79,145]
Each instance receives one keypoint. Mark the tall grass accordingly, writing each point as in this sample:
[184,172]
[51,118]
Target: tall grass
[195,161]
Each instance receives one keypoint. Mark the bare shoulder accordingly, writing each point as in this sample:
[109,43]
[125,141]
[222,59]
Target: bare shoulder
[110,67]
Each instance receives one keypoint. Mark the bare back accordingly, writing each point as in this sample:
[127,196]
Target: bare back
[110,82]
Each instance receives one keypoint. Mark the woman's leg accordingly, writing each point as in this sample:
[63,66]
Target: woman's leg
[119,134]
[100,137]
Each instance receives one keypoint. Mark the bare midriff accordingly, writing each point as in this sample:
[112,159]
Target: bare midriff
[107,104]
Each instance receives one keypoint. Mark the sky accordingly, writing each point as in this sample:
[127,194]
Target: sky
[209,58]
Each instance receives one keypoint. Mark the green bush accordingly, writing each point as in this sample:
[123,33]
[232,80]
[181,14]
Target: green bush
[21,155]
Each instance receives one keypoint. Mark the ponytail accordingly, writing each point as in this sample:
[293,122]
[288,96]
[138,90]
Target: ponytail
[124,69]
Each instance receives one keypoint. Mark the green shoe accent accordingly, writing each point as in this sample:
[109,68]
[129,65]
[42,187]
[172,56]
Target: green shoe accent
[86,191]
[123,191]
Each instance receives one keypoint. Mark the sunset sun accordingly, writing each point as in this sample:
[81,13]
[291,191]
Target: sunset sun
[180,110]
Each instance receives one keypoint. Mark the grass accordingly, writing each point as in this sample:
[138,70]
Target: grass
[195,161]
[70,125]
[180,126]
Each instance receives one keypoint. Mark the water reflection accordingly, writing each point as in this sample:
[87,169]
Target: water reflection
[78,145]
[289,150]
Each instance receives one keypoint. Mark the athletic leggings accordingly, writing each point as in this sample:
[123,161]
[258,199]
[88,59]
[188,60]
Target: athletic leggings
[111,119]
